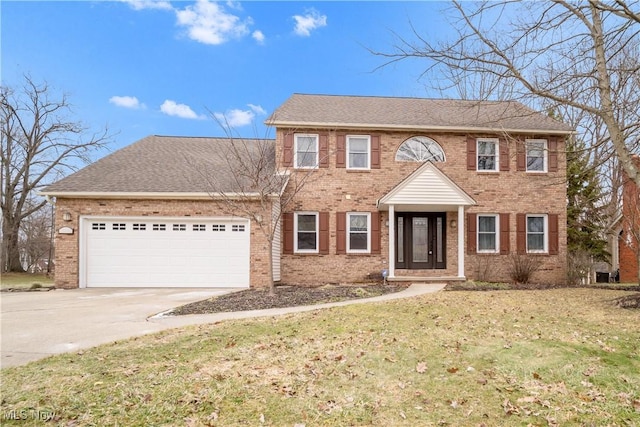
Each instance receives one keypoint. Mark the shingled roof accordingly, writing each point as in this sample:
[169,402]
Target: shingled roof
[302,110]
[163,165]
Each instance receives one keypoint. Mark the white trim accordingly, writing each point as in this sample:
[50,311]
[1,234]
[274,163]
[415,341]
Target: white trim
[392,242]
[545,217]
[295,233]
[409,127]
[295,150]
[149,195]
[545,155]
[461,254]
[368,138]
[496,233]
[348,233]
[496,142]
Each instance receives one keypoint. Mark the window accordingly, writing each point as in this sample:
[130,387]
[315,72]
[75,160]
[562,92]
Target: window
[358,148]
[218,227]
[536,233]
[119,226]
[199,227]
[159,227]
[305,151]
[306,232]
[488,154]
[179,227]
[358,236]
[419,149]
[237,227]
[536,151]
[139,227]
[488,233]
[98,226]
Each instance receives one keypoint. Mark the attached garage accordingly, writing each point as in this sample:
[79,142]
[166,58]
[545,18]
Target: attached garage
[164,252]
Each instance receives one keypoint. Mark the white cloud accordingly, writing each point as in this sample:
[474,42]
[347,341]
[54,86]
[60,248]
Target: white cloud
[238,118]
[258,36]
[171,108]
[149,4]
[208,23]
[126,102]
[309,22]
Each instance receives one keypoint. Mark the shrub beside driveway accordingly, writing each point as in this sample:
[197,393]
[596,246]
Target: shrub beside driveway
[553,357]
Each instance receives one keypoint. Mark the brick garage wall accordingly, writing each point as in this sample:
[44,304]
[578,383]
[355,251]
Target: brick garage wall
[67,246]
[340,190]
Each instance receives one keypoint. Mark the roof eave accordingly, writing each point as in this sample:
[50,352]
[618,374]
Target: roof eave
[338,125]
[151,195]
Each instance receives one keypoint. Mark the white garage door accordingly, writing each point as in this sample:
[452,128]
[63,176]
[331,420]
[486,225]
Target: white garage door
[164,252]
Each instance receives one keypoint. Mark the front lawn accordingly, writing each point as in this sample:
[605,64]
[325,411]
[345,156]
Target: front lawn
[559,357]
[23,281]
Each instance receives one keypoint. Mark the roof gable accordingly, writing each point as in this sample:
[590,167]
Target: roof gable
[427,185]
[302,110]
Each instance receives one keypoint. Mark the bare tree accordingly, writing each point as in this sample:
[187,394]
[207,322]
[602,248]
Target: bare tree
[576,55]
[243,175]
[36,242]
[40,143]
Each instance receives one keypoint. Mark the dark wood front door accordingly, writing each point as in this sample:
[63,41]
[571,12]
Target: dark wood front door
[421,240]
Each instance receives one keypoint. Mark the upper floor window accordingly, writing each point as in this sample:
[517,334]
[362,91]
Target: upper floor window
[536,152]
[306,232]
[305,151]
[488,158]
[358,149]
[420,149]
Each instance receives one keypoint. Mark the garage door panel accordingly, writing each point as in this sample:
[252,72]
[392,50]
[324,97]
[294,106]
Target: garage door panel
[159,253]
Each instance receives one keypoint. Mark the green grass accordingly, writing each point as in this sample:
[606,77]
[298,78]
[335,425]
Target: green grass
[24,280]
[564,357]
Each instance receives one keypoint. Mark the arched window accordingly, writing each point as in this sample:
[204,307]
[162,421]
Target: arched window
[419,149]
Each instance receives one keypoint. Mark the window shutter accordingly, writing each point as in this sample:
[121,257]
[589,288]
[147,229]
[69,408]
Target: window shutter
[553,154]
[504,234]
[471,155]
[287,218]
[375,151]
[375,232]
[323,219]
[554,234]
[521,156]
[323,150]
[341,233]
[341,146]
[287,150]
[471,233]
[521,233]
[504,155]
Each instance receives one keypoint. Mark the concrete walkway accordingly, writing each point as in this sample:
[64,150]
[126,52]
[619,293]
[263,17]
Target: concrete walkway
[36,325]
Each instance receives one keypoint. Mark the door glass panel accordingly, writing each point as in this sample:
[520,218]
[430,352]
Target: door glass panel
[420,239]
[400,239]
[439,248]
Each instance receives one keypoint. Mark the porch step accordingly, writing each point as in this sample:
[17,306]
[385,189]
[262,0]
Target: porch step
[426,279]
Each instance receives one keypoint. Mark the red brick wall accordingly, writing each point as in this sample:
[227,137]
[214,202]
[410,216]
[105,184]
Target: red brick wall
[629,246]
[67,246]
[335,189]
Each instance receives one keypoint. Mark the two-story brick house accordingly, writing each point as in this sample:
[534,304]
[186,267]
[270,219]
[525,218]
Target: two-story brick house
[424,189]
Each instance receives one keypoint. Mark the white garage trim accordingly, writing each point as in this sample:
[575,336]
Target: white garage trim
[164,251]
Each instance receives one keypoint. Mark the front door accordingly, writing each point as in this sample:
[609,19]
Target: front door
[421,240]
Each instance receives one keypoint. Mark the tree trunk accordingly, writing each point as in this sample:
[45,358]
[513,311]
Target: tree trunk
[11,249]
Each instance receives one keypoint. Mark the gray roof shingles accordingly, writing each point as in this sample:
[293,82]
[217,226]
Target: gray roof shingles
[418,113]
[158,164]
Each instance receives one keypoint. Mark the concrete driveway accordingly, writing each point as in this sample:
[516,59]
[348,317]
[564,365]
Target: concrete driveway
[38,324]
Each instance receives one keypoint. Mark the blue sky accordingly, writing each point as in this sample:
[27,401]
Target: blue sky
[164,67]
